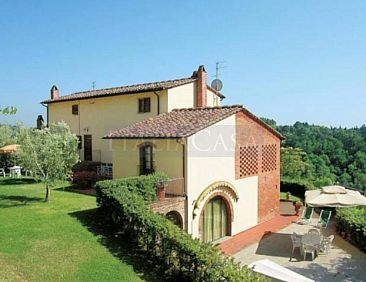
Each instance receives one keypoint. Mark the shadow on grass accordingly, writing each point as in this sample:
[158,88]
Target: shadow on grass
[116,243]
[74,189]
[17,181]
[13,201]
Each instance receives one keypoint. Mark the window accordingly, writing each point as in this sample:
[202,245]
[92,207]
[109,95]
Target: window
[75,109]
[146,159]
[88,149]
[80,140]
[144,105]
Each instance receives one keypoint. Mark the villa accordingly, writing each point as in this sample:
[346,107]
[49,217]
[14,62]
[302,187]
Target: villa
[223,162]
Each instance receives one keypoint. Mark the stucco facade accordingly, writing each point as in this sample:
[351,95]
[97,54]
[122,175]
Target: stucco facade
[210,162]
[211,159]
[98,116]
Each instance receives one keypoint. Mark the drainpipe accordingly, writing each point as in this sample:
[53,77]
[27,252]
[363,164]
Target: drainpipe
[184,173]
[157,95]
[46,106]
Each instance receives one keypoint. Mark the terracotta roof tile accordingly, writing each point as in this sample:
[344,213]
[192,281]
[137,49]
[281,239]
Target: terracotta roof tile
[176,124]
[180,123]
[129,89]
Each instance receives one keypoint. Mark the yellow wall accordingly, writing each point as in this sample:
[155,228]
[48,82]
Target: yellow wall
[182,96]
[167,157]
[99,116]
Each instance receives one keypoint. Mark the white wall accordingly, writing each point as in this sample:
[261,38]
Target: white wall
[211,158]
[212,99]
[181,96]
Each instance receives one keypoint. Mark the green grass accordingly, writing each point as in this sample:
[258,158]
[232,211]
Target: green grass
[292,197]
[58,241]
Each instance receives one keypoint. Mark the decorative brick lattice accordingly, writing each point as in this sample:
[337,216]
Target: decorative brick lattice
[248,161]
[269,157]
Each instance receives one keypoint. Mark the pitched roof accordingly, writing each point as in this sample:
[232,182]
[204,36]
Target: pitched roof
[128,89]
[180,123]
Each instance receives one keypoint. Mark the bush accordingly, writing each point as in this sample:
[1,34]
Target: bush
[84,179]
[85,166]
[175,254]
[295,187]
[351,224]
[143,186]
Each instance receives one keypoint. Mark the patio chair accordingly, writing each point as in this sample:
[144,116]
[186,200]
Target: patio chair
[324,218]
[296,243]
[314,231]
[307,249]
[307,213]
[2,172]
[326,244]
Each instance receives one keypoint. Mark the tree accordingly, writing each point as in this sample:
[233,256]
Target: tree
[8,110]
[293,164]
[49,153]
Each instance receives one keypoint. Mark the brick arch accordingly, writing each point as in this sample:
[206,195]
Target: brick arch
[177,215]
[219,188]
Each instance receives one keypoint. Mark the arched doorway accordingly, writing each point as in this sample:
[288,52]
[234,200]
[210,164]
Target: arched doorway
[214,220]
[175,217]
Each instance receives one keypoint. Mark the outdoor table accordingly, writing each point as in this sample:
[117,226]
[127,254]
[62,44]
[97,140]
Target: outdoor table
[311,239]
[15,171]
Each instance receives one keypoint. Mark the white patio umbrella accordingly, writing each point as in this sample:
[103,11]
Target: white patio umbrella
[276,271]
[334,196]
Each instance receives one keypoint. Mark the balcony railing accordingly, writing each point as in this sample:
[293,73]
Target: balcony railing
[175,187]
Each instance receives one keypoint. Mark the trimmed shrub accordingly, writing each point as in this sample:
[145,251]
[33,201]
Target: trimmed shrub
[295,187]
[351,224]
[143,185]
[175,254]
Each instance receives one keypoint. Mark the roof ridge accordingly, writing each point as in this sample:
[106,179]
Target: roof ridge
[209,108]
[131,85]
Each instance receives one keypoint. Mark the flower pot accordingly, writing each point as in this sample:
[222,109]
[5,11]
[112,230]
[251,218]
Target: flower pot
[160,191]
[297,207]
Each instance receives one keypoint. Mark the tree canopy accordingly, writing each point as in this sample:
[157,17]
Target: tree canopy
[49,153]
[323,155]
[8,110]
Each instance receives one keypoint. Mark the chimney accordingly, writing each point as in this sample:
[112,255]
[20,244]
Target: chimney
[40,122]
[54,93]
[201,87]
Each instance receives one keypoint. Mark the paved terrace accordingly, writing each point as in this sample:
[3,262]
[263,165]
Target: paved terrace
[343,263]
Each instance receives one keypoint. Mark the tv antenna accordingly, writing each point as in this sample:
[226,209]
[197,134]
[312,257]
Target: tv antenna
[217,83]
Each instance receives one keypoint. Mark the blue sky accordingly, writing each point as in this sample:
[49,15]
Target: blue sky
[286,60]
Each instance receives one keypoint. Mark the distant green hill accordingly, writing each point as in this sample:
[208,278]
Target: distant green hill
[327,154]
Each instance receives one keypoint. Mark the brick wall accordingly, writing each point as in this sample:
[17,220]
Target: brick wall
[258,153]
[176,204]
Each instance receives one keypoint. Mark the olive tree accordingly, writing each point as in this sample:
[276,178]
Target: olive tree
[49,153]
[8,110]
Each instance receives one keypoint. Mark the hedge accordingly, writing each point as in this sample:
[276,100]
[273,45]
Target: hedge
[351,224]
[295,187]
[175,254]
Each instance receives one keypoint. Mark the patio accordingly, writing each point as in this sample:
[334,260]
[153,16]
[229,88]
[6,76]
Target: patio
[343,263]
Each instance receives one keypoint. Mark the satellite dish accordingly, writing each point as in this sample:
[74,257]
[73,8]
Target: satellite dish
[216,84]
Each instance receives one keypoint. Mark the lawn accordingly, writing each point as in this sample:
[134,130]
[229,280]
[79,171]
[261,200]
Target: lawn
[292,197]
[57,241]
